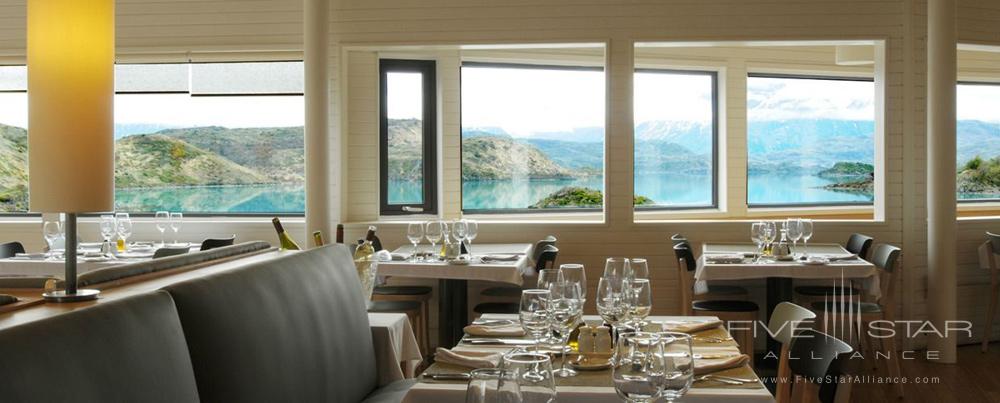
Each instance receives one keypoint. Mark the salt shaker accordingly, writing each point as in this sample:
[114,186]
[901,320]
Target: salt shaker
[585,341]
[602,341]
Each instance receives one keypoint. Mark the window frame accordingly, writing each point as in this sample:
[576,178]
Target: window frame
[526,211]
[974,202]
[428,71]
[714,205]
[17,214]
[746,172]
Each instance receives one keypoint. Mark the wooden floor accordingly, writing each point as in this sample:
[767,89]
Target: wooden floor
[976,378]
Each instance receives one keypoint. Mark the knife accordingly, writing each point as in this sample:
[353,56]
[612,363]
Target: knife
[714,356]
[506,342]
[448,377]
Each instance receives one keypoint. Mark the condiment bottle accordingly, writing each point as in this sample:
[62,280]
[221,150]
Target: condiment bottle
[602,341]
[585,342]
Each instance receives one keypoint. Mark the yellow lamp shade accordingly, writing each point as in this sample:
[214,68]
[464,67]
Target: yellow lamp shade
[71,55]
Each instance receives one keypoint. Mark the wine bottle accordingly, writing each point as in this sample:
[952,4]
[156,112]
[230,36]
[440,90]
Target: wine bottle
[376,243]
[318,238]
[286,242]
[364,257]
[340,233]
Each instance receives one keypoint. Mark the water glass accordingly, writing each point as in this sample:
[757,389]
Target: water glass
[614,267]
[757,236]
[534,315]
[176,219]
[162,221]
[484,387]
[123,224]
[678,359]
[610,301]
[459,229]
[547,277]
[638,268]
[434,231]
[52,231]
[639,367]
[793,228]
[108,227]
[565,313]
[530,375]
[414,232]
[471,232]
[575,273]
[640,301]
[807,232]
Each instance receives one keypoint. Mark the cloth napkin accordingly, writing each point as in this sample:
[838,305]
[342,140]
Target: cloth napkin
[693,327]
[705,366]
[467,359]
[501,258]
[724,258]
[838,257]
[512,330]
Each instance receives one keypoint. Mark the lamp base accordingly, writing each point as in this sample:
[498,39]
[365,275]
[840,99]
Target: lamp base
[80,295]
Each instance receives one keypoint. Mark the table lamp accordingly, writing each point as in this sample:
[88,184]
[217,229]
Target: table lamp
[71,55]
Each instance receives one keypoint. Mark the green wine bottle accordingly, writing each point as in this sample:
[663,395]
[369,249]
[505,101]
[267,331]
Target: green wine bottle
[286,242]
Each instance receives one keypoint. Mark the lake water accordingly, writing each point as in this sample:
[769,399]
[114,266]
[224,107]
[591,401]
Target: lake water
[274,198]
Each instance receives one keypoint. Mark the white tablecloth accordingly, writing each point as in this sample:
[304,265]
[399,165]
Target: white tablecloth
[504,272]
[455,392]
[397,353]
[835,271]
[33,267]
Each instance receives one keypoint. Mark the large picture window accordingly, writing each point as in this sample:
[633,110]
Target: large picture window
[978,140]
[407,151]
[13,139]
[810,140]
[676,128]
[532,137]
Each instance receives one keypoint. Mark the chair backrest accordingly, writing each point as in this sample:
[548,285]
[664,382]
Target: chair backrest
[685,264]
[821,356]
[995,241]
[683,251]
[678,238]
[785,321]
[212,243]
[10,249]
[170,251]
[536,252]
[859,244]
[885,257]
[547,258]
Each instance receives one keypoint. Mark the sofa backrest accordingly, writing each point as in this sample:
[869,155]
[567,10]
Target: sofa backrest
[292,329]
[130,350]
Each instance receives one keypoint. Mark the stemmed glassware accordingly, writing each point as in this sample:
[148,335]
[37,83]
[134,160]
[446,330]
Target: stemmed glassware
[162,221]
[794,231]
[616,267]
[757,233]
[639,300]
[51,230]
[108,227]
[637,268]
[530,375]
[176,219]
[433,232]
[575,273]
[534,314]
[484,387]
[471,232]
[123,225]
[770,233]
[414,232]
[565,313]
[679,360]
[547,277]
[639,368]
[807,232]
[611,301]
[459,229]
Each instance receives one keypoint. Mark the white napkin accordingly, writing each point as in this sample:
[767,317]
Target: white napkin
[838,257]
[704,366]
[512,330]
[692,327]
[501,258]
[724,258]
[467,359]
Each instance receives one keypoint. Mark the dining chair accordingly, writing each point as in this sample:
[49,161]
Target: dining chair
[786,322]
[844,314]
[677,238]
[417,293]
[170,251]
[815,376]
[685,273]
[543,255]
[10,249]
[993,249]
[212,243]
[858,244]
[725,309]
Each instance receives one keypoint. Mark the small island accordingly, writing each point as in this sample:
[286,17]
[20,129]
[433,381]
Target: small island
[580,197]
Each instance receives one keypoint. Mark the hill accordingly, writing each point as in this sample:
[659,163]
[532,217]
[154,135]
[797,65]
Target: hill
[275,152]
[494,158]
[848,169]
[977,138]
[154,160]
[13,168]
[980,176]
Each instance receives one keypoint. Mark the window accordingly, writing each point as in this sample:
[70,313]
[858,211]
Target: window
[13,139]
[978,142]
[810,140]
[407,133]
[676,127]
[212,138]
[532,137]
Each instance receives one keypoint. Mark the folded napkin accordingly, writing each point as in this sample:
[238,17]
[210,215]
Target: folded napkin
[512,330]
[839,257]
[693,327]
[501,258]
[705,366]
[467,358]
[398,257]
[724,258]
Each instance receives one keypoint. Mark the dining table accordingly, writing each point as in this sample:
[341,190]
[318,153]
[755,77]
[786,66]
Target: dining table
[596,385]
[503,263]
[836,264]
[88,259]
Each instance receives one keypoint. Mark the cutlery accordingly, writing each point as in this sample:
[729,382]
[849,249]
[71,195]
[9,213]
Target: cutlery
[717,379]
[448,377]
[714,356]
[731,378]
[505,342]
[497,322]
[713,339]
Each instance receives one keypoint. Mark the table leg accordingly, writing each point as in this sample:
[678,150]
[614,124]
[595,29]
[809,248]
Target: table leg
[453,312]
[779,289]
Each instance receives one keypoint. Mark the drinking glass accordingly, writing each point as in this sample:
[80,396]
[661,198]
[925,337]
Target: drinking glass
[679,364]
[433,232]
[757,236]
[575,273]
[640,301]
[610,301]
[794,228]
[565,313]
[124,226]
[807,232]
[51,230]
[615,267]
[459,230]
[534,314]
[162,221]
[532,375]
[770,233]
[547,277]
[639,367]
[176,219]
[638,268]
[484,388]
[414,232]
[108,227]
[471,232]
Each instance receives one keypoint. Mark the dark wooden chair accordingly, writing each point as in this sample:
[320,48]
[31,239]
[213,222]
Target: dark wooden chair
[815,376]
[686,271]
[212,243]
[408,293]
[858,244]
[544,255]
[10,249]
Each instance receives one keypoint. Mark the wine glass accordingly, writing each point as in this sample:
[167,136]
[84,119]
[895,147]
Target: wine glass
[414,232]
[162,221]
[176,219]
[679,360]
[484,387]
[471,232]
[547,277]
[51,230]
[638,268]
[108,227]
[757,236]
[794,231]
[770,233]
[565,313]
[640,301]
[807,232]
[534,315]
[433,234]
[615,267]
[532,375]
[124,226]
[639,367]
[610,304]
[575,273]
[459,230]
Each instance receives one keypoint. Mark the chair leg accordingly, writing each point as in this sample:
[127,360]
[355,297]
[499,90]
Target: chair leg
[988,330]
[424,325]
